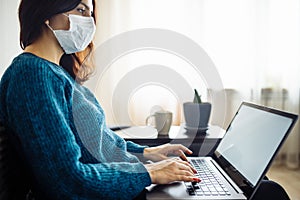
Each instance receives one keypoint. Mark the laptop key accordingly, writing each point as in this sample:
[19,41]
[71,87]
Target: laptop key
[199,193]
[214,193]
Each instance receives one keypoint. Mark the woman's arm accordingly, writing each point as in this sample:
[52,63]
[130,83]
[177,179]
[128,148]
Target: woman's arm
[39,108]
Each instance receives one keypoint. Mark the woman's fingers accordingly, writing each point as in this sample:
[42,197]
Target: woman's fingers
[171,170]
[180,150]
[163,152]
[182,155]
[184,149]
[189,167]
[189,179]
[186,173]
[186,164]
[183,166]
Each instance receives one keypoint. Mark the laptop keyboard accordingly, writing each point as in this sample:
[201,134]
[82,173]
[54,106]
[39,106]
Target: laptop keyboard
[210,184]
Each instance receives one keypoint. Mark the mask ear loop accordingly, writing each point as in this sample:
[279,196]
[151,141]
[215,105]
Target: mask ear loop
[67,15]
[47,24]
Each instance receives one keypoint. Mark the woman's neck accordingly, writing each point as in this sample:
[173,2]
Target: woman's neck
[46,47]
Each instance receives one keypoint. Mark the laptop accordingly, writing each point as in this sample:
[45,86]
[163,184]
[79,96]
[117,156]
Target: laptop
[241,159]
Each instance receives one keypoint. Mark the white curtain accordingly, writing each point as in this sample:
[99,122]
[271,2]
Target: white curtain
[254,44]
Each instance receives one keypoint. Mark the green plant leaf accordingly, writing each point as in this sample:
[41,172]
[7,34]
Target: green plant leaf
[197,97]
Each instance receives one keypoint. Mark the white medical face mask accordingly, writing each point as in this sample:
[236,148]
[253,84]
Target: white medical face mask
[79,36]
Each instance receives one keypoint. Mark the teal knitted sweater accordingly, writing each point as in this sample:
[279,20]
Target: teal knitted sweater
[62,134]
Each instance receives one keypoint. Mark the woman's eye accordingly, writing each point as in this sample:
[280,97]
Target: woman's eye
[81,10]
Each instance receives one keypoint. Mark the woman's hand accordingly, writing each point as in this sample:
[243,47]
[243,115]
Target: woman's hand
[170,170]
[162,152]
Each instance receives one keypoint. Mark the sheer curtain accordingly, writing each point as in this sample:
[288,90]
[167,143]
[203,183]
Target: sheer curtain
[254,44]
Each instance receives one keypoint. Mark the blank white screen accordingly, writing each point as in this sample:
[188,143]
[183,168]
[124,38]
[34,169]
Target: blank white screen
[252,139]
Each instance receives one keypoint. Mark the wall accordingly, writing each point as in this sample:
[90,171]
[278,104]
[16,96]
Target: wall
[9,34]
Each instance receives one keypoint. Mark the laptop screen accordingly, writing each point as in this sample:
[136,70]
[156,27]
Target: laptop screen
[252,139]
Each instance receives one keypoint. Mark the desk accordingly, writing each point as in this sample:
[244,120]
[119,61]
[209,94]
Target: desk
[201,144]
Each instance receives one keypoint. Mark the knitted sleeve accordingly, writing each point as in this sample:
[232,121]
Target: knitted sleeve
[38,110]
[135,148]
[131,146]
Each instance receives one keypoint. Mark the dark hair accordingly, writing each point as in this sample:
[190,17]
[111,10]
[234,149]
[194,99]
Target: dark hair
[32,17]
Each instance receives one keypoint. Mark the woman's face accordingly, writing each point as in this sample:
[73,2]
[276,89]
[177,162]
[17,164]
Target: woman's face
[61,22]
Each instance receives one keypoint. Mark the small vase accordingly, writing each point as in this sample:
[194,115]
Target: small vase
[197,114]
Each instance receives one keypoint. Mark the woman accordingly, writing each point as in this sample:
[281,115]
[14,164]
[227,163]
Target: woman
[58,125]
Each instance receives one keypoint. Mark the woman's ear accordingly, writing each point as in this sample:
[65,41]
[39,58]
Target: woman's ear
[47,22]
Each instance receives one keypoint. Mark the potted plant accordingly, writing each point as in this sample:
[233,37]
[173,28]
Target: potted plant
[197,113]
